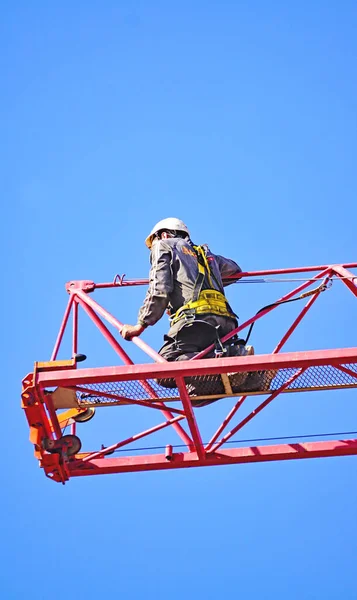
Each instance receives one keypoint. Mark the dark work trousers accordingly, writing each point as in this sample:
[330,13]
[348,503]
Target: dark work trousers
[186,338]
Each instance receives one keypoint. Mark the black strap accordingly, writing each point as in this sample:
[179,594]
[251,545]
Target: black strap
[198,283]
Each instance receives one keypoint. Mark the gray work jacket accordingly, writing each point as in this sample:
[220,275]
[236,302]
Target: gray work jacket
[173,275]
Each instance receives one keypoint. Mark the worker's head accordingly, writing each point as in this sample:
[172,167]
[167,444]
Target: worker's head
[170,227]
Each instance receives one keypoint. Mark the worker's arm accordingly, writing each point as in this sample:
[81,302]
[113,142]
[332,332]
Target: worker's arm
[157,296]
[228,269]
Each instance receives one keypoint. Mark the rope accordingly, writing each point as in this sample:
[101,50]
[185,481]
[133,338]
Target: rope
[326,284]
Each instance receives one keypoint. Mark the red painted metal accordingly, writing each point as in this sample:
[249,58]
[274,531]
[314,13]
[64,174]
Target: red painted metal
[295,270]
[75,328]
[207,366]
[142,391]
[122,282]
[145,403]
[256,410]
[348,371]
[225,422]
[132,438]
[275,351]
[180,460]
[48,404]
[62,329]
[298,320]
[267,310]
[113,321]
[127,360]
[347,277]
[192,423]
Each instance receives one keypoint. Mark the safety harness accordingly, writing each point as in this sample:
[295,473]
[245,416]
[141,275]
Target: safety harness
[204,301]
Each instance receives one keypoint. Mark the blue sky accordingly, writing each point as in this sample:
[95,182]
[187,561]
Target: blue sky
[239,118]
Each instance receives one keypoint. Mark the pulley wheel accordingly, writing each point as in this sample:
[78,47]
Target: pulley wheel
[72,442]
[85,416]
[69,444]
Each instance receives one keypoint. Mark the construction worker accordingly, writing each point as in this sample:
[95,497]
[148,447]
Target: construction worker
[186,281]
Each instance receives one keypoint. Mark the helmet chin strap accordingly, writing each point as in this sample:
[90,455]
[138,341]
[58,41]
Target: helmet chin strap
[164,235]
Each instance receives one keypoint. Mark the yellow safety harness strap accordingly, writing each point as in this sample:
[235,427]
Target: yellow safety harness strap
[204,301]
[205,268]
[209,301]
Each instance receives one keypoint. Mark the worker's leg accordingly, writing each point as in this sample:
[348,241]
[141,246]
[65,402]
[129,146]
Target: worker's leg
[253,381]
[184,341]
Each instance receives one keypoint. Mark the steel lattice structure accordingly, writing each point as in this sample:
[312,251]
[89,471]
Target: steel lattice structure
[59,393]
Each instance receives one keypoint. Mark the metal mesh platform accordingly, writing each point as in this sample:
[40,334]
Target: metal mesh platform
[216,386]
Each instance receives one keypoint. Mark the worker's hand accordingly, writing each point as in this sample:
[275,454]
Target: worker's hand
[130,331]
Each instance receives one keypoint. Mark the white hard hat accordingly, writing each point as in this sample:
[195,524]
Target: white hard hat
[170,223]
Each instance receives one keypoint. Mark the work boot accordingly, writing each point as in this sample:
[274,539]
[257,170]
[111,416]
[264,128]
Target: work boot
[237,379]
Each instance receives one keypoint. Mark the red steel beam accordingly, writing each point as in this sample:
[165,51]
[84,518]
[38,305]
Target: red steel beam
[156,462]
[298,319]
[225,422]
[75,328]
[257,410]
[347,277]
[145,403]
[210,366]
[133,282]
[191,419]
[294,270]
[277,349]
[196,455]
[347,371]
[265,311]
[62,329]
[131,439]
[104,331]
[47,402]
[118,325]
[129,363]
